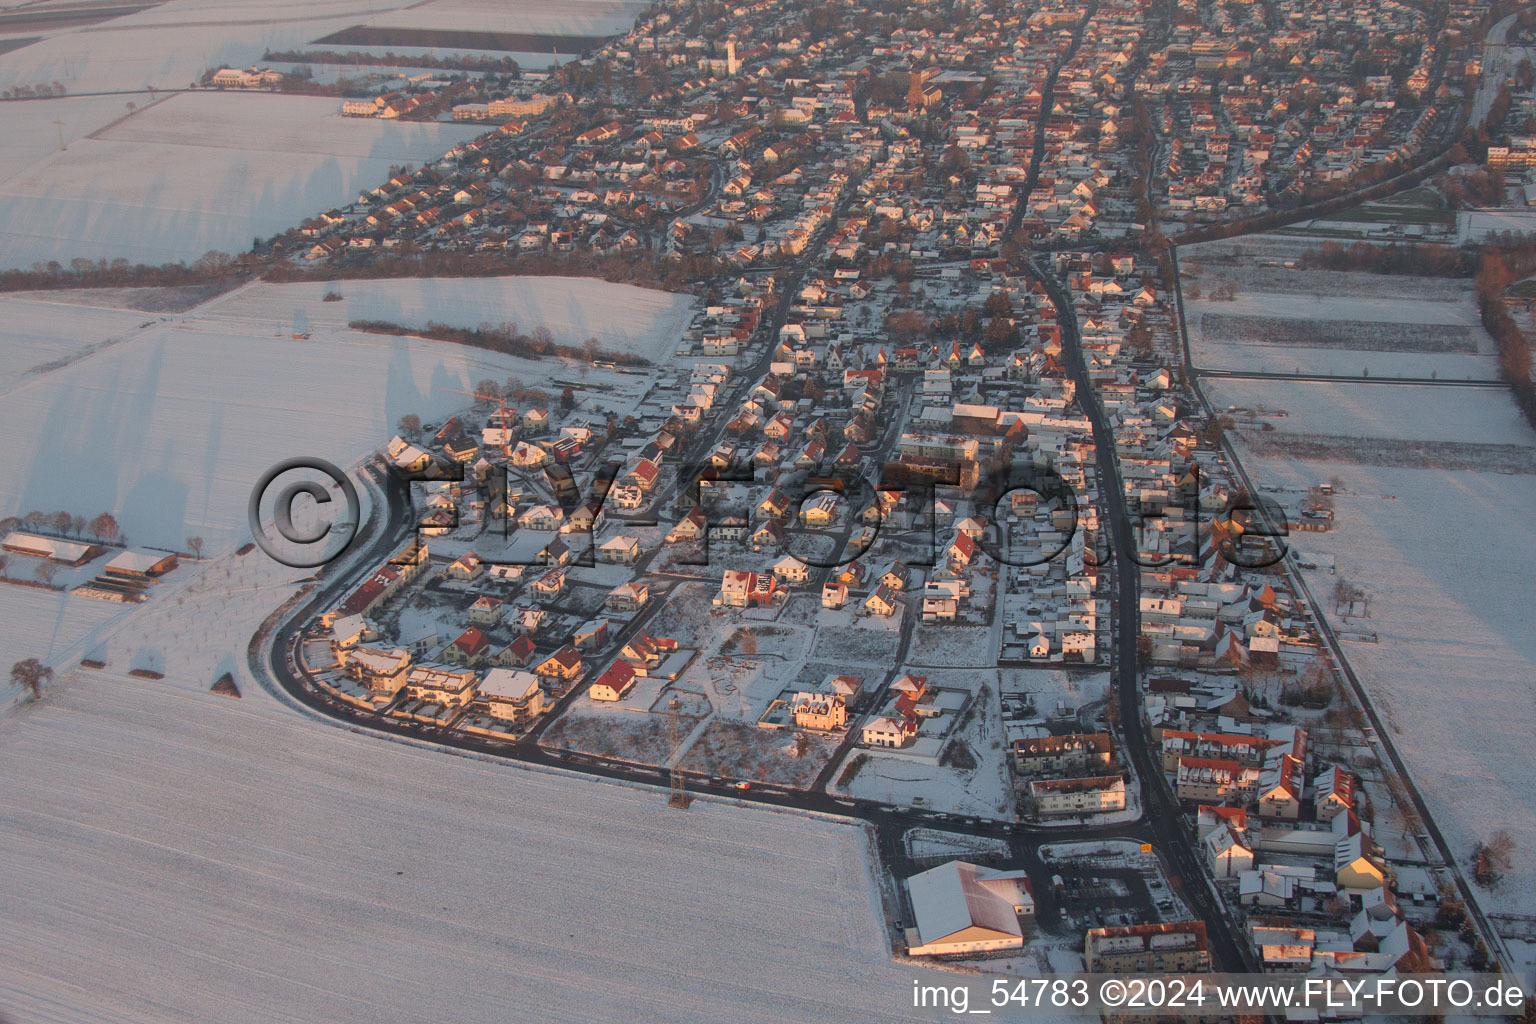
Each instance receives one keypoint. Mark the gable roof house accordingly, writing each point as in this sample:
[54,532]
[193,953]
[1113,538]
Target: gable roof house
[961,907]
[615,682]
[472,649]
[883,601]
[564,665]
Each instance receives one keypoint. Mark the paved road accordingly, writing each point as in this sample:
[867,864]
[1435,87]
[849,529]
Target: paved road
[1158,803]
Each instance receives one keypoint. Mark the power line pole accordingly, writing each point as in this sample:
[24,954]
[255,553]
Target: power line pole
[60,125]
[677,794]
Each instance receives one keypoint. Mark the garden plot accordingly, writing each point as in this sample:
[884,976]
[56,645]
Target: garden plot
[927,843]
[1243,329]
[737,750]
[1247,264]
[201,171]
[623,318]
[1377,337]
[848,639]
[1446,558]
[1437,427]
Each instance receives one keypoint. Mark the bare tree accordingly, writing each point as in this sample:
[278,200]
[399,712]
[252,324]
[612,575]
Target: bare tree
[44,572]
[195,545]
[4,561]
[105,526]
[32,674]
[1491,859]
[410,423]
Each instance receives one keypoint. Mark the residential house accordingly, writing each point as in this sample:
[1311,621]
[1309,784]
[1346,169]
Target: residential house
[510,695]
[1090,795]
[883,602]
[564,666]
[486,611]
[1076,752]
[440,686]
[1171,947]
[628,597]
[615,682]
[889,731]
[742,589]
[824,712]
[471,649]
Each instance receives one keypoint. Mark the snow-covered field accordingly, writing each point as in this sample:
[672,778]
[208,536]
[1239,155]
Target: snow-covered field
[562,17]
[201,171]
[56,628]
[168,46]
[34,338]
[622,318]
[1447,558]
[173,855]
[1401,411]
[170,428]
[1319,321]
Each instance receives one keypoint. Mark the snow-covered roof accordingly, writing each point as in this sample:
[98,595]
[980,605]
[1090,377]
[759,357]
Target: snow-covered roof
[508,683]
[959,895]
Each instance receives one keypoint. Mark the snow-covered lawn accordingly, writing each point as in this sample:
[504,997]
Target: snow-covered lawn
[622,318]
[201,171]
